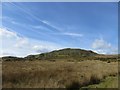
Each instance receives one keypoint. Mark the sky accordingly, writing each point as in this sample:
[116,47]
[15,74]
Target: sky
[38,27]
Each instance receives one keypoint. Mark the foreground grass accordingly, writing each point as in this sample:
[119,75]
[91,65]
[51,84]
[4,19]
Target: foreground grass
[108,82]
[0,75]
[59,74]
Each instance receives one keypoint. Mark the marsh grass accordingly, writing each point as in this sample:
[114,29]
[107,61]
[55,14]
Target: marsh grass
[58,74]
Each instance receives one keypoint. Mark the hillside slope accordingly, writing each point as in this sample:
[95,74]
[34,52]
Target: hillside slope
[63,54]
[67,54]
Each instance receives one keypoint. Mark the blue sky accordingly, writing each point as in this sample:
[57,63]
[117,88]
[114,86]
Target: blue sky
[40,27]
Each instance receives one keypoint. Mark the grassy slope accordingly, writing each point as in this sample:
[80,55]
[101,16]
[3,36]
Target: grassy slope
[109,82]
[66,54]
[75,54]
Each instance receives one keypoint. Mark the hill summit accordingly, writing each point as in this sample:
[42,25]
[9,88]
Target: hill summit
[63,54]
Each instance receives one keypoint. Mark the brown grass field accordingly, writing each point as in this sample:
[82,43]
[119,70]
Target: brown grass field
[58,74]
[0,75]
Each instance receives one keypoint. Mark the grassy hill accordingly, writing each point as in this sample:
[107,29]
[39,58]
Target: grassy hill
[66,54]
[63,54]
[12,58]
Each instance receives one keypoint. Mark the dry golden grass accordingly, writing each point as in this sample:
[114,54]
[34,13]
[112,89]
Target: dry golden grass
[0,75]
[58,74]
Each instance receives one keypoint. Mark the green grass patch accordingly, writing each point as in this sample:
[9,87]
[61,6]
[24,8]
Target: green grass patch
[109,82]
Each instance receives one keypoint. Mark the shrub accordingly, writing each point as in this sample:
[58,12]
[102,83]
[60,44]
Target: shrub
[75,85]
[94,79]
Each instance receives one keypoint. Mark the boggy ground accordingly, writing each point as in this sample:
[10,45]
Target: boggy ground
[57,74]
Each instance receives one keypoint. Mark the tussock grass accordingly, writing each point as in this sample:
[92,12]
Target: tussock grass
[58,74]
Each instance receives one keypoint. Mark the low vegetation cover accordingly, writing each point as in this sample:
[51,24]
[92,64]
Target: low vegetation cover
[65,54]
[65,68]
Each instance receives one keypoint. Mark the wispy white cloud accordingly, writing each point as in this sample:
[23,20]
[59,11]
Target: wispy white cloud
[51,25]
[29,26]
[4,33]
[39,27]
[42,27]
[28,12]
[70,34]
[46,22]
[14,44]
[73,34]
[61,31]
[103,47]
[11,20]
